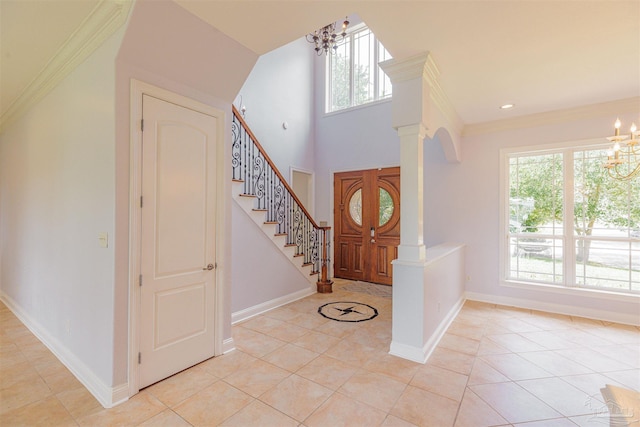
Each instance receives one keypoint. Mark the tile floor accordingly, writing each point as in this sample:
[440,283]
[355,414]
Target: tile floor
[292,367]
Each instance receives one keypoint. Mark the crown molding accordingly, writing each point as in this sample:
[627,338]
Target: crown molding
[100,24]
[628,105]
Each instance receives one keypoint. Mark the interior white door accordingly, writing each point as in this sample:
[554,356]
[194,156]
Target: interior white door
[177,260]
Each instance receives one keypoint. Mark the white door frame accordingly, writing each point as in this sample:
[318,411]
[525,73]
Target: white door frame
[293,169]
[139,88]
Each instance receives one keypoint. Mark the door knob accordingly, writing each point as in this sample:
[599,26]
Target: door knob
[209,267]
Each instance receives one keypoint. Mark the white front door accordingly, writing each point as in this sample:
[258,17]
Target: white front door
[177,259]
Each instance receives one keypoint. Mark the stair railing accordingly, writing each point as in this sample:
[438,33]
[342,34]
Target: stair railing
[252,166]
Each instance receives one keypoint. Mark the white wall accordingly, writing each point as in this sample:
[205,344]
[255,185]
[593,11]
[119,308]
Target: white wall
[462,205]
[280,89]
[261,272]
[57,179]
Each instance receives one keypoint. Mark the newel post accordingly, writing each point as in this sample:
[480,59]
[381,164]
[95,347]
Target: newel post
[324,283]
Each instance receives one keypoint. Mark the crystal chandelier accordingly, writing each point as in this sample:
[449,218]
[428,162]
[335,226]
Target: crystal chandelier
[326,38]
[623,158]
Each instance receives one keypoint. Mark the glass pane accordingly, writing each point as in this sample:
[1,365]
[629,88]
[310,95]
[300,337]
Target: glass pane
[603,206]
[608,264]
[355,207]
[363,63]
[386,207]
[536,259]
[384,83]
[339,88]
[536,194]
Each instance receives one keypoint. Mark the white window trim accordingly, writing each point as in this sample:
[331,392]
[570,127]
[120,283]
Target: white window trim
[570,287]
[375,77]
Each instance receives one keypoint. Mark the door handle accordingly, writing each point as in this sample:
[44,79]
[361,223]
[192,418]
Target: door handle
[209,267]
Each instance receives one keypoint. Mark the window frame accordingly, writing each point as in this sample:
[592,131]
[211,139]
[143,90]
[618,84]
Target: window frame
[375,75]
[569,283]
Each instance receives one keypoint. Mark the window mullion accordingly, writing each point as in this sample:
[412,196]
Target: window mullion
[352,83]
[569,241]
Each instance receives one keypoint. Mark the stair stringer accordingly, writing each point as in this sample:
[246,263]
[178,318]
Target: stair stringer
[247,203]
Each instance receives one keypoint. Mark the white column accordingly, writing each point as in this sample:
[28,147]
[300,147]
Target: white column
[410,109]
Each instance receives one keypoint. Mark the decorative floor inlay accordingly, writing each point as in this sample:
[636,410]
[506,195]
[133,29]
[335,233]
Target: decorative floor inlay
[347,311]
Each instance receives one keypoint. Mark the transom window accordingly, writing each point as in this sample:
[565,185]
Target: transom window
[566,222]
[353,75]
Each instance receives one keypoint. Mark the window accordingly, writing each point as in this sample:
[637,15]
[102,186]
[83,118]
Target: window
[353,75]
[569,223]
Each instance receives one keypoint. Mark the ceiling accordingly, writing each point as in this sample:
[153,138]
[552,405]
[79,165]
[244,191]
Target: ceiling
[540,55]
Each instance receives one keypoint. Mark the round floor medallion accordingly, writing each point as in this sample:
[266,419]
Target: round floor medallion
[348,311]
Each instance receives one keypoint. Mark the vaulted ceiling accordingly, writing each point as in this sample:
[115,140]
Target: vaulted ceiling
[540,55]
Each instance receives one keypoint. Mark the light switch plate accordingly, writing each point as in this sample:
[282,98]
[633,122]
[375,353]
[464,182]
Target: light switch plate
[103,240]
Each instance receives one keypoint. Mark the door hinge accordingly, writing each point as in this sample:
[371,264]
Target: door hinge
[140,201]
[139,358]
[142,125]
[140,280]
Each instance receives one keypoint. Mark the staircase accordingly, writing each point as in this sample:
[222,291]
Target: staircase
[263,193]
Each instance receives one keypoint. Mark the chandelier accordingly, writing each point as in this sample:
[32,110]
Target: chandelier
[623,158]
[326,38]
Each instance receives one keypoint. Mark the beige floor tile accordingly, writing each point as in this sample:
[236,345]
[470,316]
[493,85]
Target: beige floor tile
[282,313]
[79,402]
[255,343]
[555,363]
[288,332]
[15,374]
[134,411]
[393,366]
[597,419]
[262,324]
[629,354]
[377,390]
[346,352]
[23,393]
[327,371]
[598,362]
[590,384]
[440,381]
[182,385]
[466,330]
[226,364]
[515,367]
[560,395]
[483,373]
[516,325]
[47,412]
[308,321]
[514,403]
[556,422]
[452,360]
[257,377]
[488,346]
[342,411]
[458,343]
[475,412]
[296,397]
[338,329]
[515,343]
[548,340]
[166,418]
[316,341]
[213,405]
[629,378]
[290,357]
[393,421]
[424,408]
[258,413]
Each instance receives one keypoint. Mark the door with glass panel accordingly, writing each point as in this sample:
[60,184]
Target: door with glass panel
[367,224]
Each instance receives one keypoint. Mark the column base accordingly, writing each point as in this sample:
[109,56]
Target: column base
[325,287]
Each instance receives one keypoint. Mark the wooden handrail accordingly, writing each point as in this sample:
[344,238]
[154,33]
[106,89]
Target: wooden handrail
[236,113]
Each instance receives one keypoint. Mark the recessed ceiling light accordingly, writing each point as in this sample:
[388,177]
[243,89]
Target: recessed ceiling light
[507,106]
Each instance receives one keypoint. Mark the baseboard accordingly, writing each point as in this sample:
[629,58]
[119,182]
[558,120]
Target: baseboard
[228,345]
[421,355]
[569,310]
[250,312]
[107,396]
